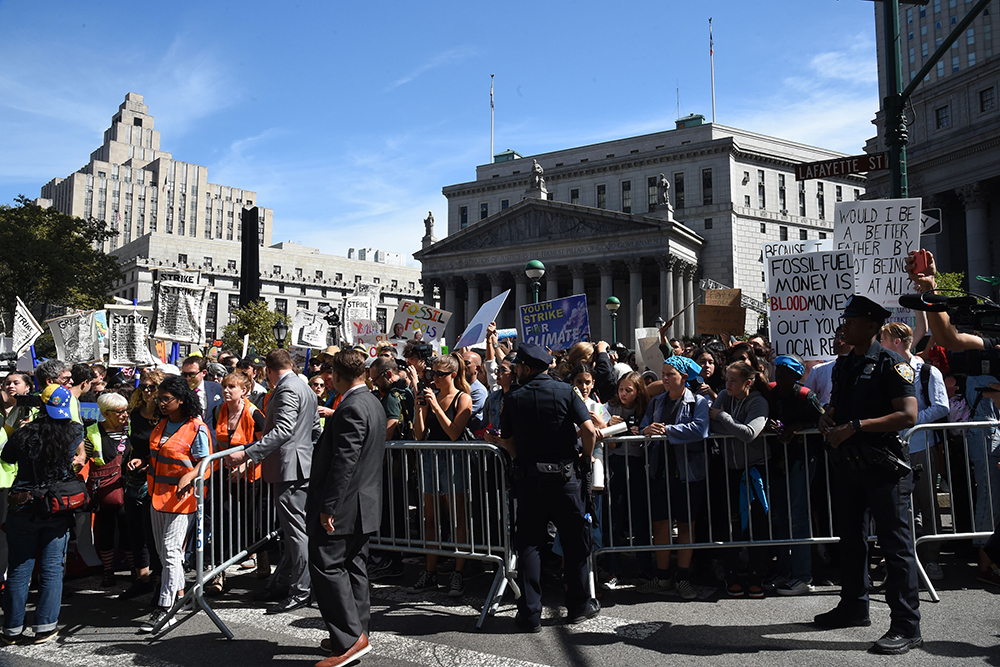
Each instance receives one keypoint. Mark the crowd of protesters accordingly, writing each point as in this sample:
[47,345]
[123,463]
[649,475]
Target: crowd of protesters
[760,480]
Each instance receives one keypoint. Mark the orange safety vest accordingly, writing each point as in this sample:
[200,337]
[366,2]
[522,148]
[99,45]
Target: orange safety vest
[243,435]
[169,462]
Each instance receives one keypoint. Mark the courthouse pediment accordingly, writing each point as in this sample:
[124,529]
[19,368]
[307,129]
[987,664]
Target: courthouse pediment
[534,220]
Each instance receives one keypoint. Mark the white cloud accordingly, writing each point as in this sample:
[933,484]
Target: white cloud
[855,64]
[435,61]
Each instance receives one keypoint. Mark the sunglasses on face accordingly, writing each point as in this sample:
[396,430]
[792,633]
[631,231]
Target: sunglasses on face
[190,374]
[160,400]
[148,387]
[442,374]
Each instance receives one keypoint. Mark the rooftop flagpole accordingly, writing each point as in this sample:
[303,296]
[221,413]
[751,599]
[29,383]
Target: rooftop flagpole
[711,57]
[491,119]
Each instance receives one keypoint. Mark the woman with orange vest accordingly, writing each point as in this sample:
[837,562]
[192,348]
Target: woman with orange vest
[176,446]
[238,423]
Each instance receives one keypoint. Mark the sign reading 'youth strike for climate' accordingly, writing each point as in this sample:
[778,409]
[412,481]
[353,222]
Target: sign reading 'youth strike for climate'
[556,324]
[880,234]
[808,295]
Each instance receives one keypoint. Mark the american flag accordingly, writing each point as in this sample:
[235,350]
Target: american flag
[491,92]
[711,40]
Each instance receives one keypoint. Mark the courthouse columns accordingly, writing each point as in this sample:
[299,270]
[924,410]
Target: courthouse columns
[579,274]
[472,302]
[449,305]
[679,327]
[496,289]
[428,285]
[634,298]
[607,277]
[520,294]
[689,271]
[551,283]
[977,232]
[666,264]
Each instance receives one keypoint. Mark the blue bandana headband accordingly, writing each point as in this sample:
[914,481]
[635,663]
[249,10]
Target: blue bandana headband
[684,365]
[791,364]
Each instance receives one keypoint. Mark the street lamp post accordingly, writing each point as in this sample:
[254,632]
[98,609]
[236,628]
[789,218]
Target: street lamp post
[535,270]
[613,304]
[280,330]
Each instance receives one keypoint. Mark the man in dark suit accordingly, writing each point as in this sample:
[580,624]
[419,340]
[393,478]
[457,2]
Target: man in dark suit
[344,509]
[194,369]
[291,426]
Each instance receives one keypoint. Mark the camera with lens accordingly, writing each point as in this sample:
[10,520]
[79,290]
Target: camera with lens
[968,313]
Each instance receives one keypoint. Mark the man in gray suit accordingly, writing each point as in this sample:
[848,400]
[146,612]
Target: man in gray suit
[291,426]
[344,509]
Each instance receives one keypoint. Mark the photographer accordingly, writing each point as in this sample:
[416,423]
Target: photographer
[984,444]
[417,355]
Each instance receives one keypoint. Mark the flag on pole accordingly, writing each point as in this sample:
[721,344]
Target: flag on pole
[711,40]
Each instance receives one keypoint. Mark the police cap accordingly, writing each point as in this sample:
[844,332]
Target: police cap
[533,355]
[861,306]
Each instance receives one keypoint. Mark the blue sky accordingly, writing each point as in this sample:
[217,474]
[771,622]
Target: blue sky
[349,118]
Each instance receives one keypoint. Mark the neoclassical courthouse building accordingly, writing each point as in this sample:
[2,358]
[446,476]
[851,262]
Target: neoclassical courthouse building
[596,218]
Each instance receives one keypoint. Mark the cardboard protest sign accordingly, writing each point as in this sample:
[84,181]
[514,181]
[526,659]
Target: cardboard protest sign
[356,308]
[723,297]
[773,248]
[719,319]
[879,234]
[101,322]
[309,329]
[171,274]
[179,312]
[360,327]
[25,330]
[557,324]
[128,334]
[376,342]
[475,333]
[647,349]
[415,317]
[808,295]
[75,337]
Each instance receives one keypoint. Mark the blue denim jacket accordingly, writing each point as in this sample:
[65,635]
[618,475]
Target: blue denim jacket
[690,428]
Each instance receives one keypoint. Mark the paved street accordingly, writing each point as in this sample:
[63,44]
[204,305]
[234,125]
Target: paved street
[635,630]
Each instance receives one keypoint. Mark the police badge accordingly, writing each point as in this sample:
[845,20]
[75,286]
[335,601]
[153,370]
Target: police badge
[905,371]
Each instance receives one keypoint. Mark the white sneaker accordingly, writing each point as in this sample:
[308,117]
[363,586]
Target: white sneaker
[154,618]
[795,587]
[611,583]
[934,571]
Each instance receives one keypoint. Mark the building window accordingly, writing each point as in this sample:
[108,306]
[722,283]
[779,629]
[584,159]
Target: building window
[706,187]
[942,117]
[909,15]
[276,269]
[231,264]
[574,196]
[602,196]
[463,217]
[782,233]
[970,36]
[746,201]
[857,195]
[803,235]
[679,190]
[551,196]
[940,69]
[281,289]
[651,192]
[394,284]
[955,65]
[338,277]
[763,228]
[708,223]
[822,235]
[802,198]
[913,55]
[781,193]
[504,204]
[302,305]
[761,192]
[377,280]
[357,279]
[923,50]
[182,258]
[208,262]
[484,211]
[281,305]
[820,201]
[987,99]
[298,272]
[972,58]
[319,275]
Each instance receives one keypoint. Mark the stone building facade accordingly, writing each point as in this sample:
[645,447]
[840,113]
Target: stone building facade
[600,228]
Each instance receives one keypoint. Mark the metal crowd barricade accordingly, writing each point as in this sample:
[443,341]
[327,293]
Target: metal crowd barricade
[234,518]
[977,465]
[451,499]
[784,472]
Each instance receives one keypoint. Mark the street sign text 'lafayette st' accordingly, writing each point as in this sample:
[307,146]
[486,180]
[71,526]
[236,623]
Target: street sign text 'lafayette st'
[842,166]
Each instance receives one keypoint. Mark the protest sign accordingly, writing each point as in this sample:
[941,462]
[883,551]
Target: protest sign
[475,333]
[360,327]
[179,312]
[647,349]
[101,322]
[128,333]
[25,330]
[808,295]
[723,297]
[557,324]
[415,317]
[75,337]
[720,319]
[879,234]
[171,274]
[309,329]
[771,249]
[357,308]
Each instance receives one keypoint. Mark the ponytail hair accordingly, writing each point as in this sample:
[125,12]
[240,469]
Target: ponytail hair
[748,372]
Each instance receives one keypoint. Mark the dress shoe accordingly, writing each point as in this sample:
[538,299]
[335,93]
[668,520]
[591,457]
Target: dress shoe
[896,643]
[289,604]
[590,610]
[525,625]
[838,617]
[360,648]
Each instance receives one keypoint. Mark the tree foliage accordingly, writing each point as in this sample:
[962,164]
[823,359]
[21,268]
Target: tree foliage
[258,320]
[53,259]
[949,281]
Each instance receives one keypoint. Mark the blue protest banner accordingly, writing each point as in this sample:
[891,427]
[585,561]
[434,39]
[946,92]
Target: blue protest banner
[556,324]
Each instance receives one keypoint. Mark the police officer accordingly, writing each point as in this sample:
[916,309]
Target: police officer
[873,398]
[539,421]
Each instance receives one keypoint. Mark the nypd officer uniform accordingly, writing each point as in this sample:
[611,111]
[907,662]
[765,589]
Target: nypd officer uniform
[872,477]
[539,421]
